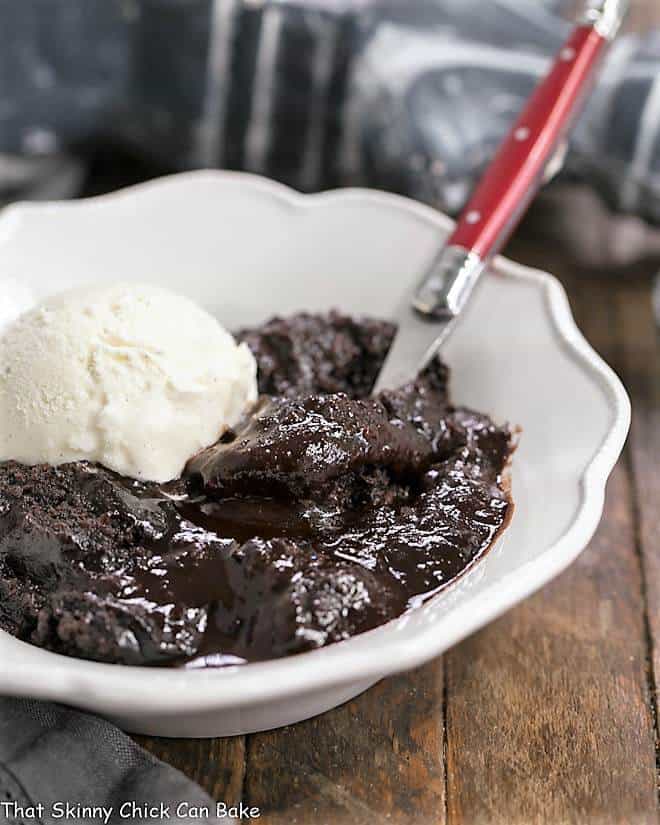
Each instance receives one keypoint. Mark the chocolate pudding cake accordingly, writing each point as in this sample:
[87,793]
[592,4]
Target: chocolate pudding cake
[324,513]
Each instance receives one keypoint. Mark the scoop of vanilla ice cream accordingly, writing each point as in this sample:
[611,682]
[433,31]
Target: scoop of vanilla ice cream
[129,375]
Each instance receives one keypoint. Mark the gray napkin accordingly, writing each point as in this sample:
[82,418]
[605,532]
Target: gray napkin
[51,755]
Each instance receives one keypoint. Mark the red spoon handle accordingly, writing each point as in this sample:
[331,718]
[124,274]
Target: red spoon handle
[516,172]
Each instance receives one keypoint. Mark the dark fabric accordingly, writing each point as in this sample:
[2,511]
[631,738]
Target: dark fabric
[51,754]
[406,95]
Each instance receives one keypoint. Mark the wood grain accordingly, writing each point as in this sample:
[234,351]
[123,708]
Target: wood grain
[378,758]
[639,366]
[548,715]
[218,765]
[549,710]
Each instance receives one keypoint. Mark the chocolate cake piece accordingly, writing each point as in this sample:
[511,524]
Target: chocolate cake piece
[324,514]
[301,447]
[70,539]
[287,598]
[322,354]
[110,629]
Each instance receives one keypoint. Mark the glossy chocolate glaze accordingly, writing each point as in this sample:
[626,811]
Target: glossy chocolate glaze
[323,515]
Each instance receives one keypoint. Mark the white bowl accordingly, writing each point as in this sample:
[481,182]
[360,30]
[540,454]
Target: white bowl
[247,248]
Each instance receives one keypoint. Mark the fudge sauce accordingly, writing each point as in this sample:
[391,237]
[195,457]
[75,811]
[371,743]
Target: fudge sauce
[325,513]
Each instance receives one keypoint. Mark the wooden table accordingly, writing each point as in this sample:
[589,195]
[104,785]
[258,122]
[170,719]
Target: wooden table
[548,715]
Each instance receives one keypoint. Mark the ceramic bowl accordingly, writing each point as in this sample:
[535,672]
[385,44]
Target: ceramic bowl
[247,248]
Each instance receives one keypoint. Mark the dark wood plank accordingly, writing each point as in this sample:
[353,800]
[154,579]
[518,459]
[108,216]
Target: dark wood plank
[218,765]
[640,370]
[378,758]
[549,710]
[548,716]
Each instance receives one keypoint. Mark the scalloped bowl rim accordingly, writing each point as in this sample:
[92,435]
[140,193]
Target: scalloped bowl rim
[114,686]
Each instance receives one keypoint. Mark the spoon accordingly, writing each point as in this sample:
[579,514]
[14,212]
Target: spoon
[532,152]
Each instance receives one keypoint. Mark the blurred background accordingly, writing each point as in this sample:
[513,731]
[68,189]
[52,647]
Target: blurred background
[410,96]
